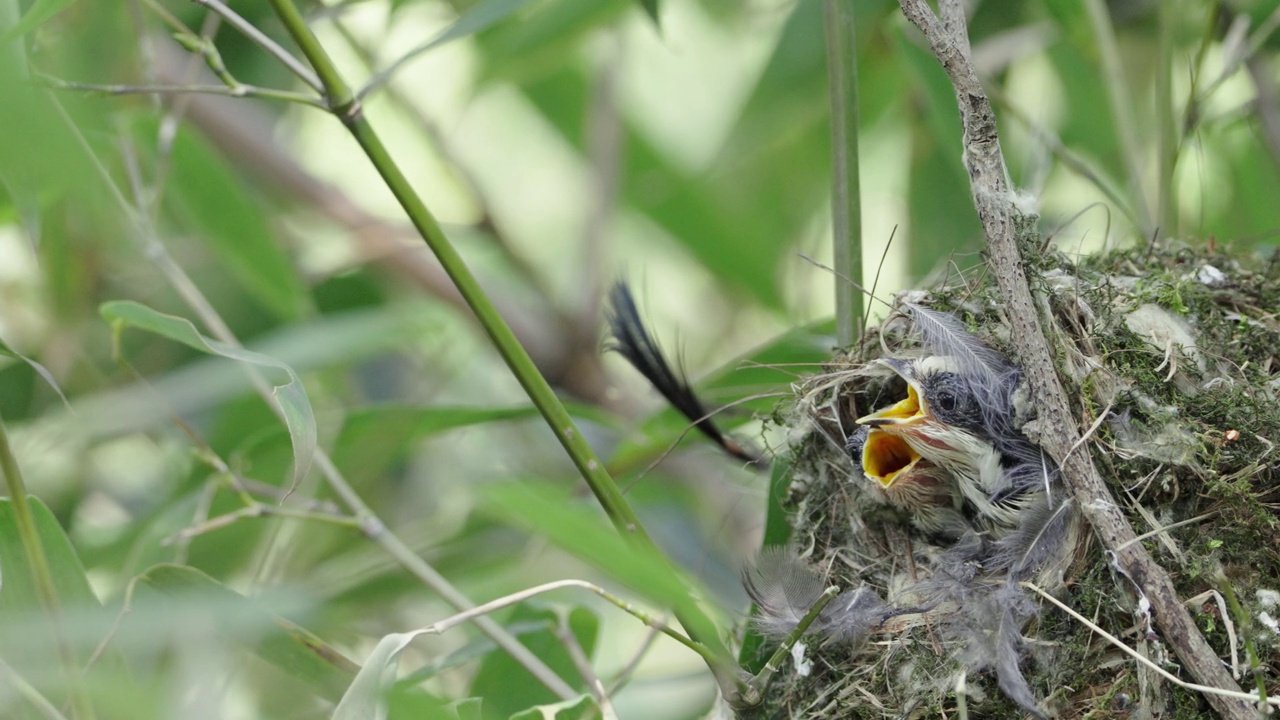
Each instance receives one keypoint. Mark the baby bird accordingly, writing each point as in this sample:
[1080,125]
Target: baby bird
[922,489]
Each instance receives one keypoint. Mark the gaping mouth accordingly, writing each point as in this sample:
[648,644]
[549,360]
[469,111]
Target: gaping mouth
[886,456]
[908,411]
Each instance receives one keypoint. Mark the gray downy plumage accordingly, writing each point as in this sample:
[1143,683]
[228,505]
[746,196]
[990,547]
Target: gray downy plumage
[784,588]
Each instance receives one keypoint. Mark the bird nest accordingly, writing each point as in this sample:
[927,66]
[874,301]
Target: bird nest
[1172,360]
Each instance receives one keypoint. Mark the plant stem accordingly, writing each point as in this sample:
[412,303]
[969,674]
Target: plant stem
[1168,161]
[1118,98]
[846,207]
[258,37]
[41,574]
[370,524]
[348,109]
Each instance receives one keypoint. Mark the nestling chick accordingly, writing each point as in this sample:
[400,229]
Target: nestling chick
[922,489]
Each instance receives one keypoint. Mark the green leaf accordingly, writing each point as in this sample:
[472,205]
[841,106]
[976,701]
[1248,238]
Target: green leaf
[364,698]
[290,396]
[234,223]
[542,39]
[548,511]
[26,633]
[40,12]
[564,710]
[372,438]
[651,9]
[17,591]
[40,370]
[507,688]
[481,16]
[293,649]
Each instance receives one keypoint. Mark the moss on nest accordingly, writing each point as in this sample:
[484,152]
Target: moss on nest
[1190,436]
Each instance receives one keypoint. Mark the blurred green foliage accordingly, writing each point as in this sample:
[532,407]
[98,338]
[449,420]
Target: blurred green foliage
[563,143]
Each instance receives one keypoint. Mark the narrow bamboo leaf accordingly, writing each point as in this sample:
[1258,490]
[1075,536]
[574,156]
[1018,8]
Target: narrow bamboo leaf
[543,35]
[234,224]
[468,709]
[363,700]
[41,370]
[290,395]
[507,688]
[25,632]
[286,645]
[26,203]
[17,588]
[373,438]
[651,9]
[40,12]
[571,708]
[481,16]
[545,510]
[777,521]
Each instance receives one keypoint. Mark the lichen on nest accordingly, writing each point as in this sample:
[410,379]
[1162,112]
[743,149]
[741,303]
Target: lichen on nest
[1172,357]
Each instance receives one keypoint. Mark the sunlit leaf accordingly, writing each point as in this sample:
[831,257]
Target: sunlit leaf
[290,395]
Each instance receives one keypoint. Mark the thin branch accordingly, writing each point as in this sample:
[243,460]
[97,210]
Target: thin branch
[238,90]
[29,693]
[42,575]
[1006,227]
[370,524]
[1212,692]
[260,38]
[1118,98]
[347,108]
[471,614]
[564,632]
[258,510]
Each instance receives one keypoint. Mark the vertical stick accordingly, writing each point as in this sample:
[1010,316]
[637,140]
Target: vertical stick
[846,207]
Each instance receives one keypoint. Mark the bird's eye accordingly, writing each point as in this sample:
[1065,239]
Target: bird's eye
[946,401]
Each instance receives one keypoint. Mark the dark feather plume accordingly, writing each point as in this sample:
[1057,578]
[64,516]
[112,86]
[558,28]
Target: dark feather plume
[631,340]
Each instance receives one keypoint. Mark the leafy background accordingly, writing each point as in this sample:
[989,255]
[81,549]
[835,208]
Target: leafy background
[563,144]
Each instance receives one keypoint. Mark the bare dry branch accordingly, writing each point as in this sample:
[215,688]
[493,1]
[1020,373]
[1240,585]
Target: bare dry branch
[1003,223]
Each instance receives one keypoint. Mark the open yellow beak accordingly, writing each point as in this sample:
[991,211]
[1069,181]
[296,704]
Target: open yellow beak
[885,457]
[905,412]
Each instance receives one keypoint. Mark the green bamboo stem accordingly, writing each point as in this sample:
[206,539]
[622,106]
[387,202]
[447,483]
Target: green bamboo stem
[1168,132]
[846,207]
[348,109]
[1118,97]
[46,591]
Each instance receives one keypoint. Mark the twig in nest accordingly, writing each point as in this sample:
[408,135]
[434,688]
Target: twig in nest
[1003,222]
